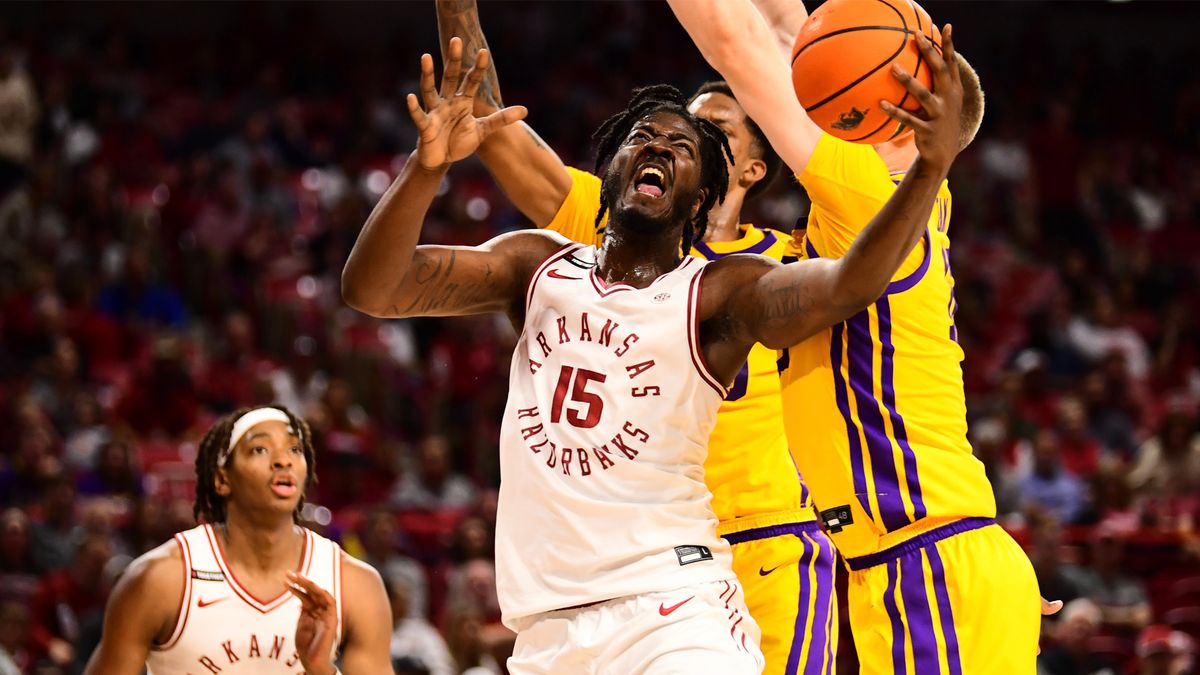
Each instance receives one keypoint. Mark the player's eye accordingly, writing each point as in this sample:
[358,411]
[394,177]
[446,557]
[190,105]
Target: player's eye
[258,450]
[686,147]
[296,450]
[640,135]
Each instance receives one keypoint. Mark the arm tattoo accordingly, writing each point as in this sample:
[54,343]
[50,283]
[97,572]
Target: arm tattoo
[460,18]
[434,291]
[787,303]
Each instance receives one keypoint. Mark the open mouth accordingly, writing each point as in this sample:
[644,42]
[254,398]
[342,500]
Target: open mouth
[650,180]
[284,486]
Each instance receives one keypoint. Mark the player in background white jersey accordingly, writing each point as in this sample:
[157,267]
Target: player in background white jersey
[613,564]
[192,607]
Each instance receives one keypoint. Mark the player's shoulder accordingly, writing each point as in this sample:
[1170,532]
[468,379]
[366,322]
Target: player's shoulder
[362,586]
[732,273]
[157,567]
[538,243]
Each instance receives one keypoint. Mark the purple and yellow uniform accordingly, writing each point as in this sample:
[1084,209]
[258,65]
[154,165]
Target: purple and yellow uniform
[876,417]
[784,561]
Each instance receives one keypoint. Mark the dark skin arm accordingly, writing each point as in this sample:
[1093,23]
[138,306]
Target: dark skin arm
[141,612]
[387,274]
[531,174]
[753,299]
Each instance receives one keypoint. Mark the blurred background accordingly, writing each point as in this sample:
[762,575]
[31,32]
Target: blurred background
[180,185]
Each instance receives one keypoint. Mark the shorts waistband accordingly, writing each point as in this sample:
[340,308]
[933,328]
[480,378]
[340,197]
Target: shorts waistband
[772,531]
[918,542]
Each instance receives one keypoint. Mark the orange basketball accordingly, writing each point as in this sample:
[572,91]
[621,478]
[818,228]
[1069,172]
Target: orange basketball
[842,59]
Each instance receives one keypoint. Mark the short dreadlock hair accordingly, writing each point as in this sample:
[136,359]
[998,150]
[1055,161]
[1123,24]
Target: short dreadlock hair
[715,155]
[760,147]
[209,505]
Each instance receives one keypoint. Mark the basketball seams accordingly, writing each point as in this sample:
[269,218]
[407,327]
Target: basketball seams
[915,73]
[903,43]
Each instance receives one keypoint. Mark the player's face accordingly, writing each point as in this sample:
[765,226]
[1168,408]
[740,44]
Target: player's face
[725,112]
[267,469]
[656,172]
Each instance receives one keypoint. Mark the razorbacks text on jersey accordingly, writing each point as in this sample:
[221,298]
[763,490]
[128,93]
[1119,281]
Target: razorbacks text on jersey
[222,628]
[603,442]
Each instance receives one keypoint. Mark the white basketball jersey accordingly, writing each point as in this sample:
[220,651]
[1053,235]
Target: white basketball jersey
[603,442]
[224,629]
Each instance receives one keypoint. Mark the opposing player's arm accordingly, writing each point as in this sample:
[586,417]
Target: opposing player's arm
[531,174]
[387,274]
[788,303]
[736,40]
[142,610]
[786,18]
[368,617]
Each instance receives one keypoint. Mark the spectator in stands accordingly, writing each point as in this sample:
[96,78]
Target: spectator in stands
[69,603]
[87,433]
[18,117]
[139,297]
[14,633]
[415,640]
[18,573]
[30,466]
[381,543]
[54,535]
[1050,487]
[1122,598]
[434,485]
[1056,579]
[114,474]
[162,399]
[233,366]
[1079,449]
[1168,455]
[1162,651]
[1071,653]
[988,441]
[477,649]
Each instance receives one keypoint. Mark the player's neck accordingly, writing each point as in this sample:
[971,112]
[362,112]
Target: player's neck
[260,545]
[724,220]
[636,258]
[897,155]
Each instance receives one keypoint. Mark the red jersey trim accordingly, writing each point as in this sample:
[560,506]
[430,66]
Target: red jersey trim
[559,253]
[606,289]
[185,604]
[337,595]
[263,607]
[693,333]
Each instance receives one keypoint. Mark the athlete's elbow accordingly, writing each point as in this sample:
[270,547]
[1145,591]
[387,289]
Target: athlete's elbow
[360,298]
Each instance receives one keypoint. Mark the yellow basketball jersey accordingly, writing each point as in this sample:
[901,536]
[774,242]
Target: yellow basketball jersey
[749,470]
[874,406]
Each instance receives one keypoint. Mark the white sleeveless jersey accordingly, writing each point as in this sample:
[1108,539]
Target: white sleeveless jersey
[603,442]
[224,629]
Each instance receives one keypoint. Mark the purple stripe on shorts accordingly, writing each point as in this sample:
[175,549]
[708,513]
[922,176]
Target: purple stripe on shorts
[843,403]
[945,612]
[917,614]
[806,589]
[771,531]
[889,603]
[820,659]
[861,352]
[888,378]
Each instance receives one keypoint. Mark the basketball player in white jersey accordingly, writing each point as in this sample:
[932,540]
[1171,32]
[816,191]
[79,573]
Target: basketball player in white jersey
[250,591]
[607,555]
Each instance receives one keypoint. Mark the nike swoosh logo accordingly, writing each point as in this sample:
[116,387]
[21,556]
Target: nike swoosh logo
[553,274]
[206,603]
[667,610]
[764,572]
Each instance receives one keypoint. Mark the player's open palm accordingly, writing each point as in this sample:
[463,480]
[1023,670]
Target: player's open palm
[316,628]
[938,126]
[448,128]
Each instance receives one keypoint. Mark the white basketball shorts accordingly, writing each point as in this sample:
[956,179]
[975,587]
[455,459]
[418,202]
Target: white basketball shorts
[693,630]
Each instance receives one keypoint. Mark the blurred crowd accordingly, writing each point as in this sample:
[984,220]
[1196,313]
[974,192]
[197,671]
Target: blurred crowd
[175,213]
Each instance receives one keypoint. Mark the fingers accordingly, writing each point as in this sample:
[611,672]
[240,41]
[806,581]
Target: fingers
[949,54]
[452,75]
[903,116]
[428,82]
[500,119]
[312,596]
[917,89]
[418,116]
[475,75]
[935,61]
[1051,606]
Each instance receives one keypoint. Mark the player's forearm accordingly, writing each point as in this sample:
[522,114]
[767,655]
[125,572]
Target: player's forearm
[460,18]
[383,252]
[529,172]
[735,39]
[875,256]
[785,17]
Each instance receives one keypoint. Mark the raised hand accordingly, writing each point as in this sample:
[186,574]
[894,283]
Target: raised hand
[938,127]
[449,130]
[316,628]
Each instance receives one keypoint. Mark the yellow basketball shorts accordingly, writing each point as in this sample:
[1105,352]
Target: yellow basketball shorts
[961,598]
[787,574]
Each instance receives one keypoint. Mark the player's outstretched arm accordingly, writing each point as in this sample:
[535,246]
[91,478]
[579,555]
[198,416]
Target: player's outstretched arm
[736,40]
[790,303]
[143,607]
[786,18]
[532,175]
[387,274]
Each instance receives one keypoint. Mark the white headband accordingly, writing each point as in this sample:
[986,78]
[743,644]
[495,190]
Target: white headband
[248,421]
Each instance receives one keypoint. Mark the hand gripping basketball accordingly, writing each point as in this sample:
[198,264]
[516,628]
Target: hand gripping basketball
[448,128]
[938,126]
